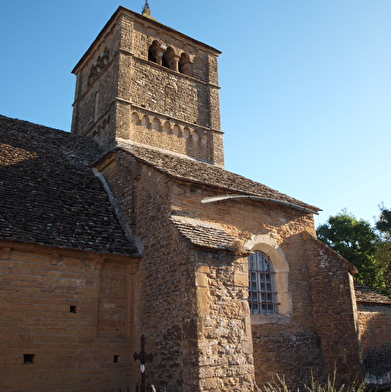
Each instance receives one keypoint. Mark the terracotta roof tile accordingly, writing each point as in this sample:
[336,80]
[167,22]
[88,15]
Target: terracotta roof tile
[49,195]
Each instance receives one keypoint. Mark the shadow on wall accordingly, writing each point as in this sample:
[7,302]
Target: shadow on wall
[377,367]
[375,325]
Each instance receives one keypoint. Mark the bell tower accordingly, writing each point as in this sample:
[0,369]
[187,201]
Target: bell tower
[144,83]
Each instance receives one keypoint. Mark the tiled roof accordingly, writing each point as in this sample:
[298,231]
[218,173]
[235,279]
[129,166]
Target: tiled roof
[48,193]
[365,294]
[189,169]
[204,234]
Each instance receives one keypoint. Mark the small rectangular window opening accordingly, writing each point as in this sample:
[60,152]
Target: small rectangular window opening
[116,358]
[72,309]
[28,359]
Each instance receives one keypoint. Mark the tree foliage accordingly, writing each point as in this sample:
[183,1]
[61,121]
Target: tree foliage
[383,253]
[384,222]
[358,243]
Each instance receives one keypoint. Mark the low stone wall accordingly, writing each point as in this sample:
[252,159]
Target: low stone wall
[375,337]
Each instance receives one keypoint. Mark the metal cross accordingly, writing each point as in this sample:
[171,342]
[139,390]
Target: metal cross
[143,357]
[146,5]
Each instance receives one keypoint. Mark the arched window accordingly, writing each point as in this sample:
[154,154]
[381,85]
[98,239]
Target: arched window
[168,59]
[152,51]
[98,66]
[185,64]
[262,293]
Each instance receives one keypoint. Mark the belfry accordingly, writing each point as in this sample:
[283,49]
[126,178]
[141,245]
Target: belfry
[148,84]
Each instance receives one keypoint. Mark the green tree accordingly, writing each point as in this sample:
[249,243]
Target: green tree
[384,222]
[383,253]
[358,243]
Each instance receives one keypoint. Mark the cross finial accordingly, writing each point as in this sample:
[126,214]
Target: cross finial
[147,11]
[146,6]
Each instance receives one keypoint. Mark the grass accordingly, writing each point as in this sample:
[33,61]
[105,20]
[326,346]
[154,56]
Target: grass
[280,385]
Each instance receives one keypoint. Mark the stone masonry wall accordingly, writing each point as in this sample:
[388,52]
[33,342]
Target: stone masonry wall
[170,93]
[63,322]
[203,67]
[155,130]
[225,343]
[165,108]
[302,329]
[190,305]
[175,111]
[166,300]
[244,219]
[164,297]
[98,74]
[289,346]
[374,325]
[334,310]
[168,116]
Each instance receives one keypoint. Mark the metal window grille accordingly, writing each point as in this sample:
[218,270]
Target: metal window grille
[262,295]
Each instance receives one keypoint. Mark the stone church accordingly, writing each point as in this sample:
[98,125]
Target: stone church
[129,255]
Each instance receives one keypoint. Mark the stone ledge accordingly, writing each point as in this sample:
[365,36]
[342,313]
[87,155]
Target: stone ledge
[269,319]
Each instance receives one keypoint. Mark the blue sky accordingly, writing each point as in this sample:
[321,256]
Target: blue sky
[306,85]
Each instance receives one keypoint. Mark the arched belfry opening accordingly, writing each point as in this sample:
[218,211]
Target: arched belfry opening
[168,59]
[185,66]
[153,52]
[157,75]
